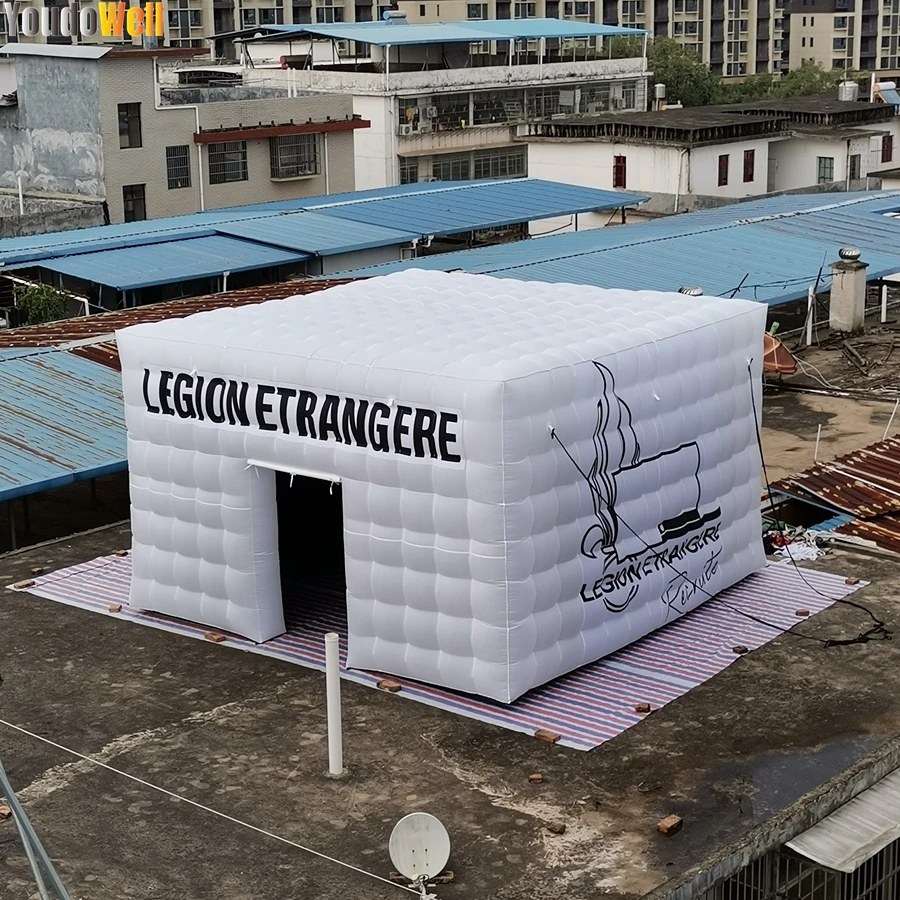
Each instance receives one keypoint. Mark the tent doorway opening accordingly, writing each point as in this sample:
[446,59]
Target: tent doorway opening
[311,553]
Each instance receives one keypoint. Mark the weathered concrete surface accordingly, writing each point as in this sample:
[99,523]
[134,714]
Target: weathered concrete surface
[245,735]
[56,146]
[43,216]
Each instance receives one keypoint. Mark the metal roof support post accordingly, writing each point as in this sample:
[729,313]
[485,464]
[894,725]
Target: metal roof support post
[542,49]
[644,55]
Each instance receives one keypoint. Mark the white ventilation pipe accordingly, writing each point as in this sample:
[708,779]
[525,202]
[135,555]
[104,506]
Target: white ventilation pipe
[333,705]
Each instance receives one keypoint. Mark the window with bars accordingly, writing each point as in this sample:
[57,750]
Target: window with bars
[129,125]
[619,172]
[409,172]
[134,200]
[476,10]
[887,148]
[227,162]
[248,16]
[178,167]
[450,169]
[508,162]
[294,155]
[824,169]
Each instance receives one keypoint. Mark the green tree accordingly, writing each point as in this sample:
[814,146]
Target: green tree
[41,303]
[624,47]
[809,80]
[682,71]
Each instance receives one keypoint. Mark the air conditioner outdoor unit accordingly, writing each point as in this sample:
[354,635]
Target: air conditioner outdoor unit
[343,47]
[431,112]
[424,127]
[405,129]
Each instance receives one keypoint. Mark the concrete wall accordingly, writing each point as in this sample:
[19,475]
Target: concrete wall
[131,81]
[704,172]
[53,136]
[44,216]
[794,162]
[376,145]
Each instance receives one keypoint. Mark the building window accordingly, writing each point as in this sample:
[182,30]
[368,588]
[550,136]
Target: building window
[134,201]
[409,172]
[178,166]
[840,21]
[294,155]
[824,169]
[839,43]
[326,15]
[227,162]
[887,148]
[526,10]
[619,172]
[509,162]
[271,16]
[129,125]
[248,16]
[452,169]
[749,165]
[476,11]
[723,170]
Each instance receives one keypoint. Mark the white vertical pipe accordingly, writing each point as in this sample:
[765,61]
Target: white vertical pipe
[810,311]
[818,436]
[333,695]
[884,303]
[890,421]
[22,198]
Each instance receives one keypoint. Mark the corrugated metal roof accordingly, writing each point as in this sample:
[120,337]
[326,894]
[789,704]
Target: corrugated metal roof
[83,328]
[315,233]
[339,223]
[61,410]
[863,485]
[61,420]
[856,831]
[469,206]
[130,268]
[399,32]
[767,250]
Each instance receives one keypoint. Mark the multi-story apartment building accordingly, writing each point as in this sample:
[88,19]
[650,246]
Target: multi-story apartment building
[863,35]
[93,123]
[443,101]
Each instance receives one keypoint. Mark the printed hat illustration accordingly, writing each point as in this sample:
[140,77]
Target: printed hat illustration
[619,471]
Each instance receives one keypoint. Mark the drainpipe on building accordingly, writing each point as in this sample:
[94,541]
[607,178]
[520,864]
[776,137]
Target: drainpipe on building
[847,186]
[21,196]
[157,96]
[681,156]
[325,162]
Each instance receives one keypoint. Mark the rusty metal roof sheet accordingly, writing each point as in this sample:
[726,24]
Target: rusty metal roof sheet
[865,484]
[81,328]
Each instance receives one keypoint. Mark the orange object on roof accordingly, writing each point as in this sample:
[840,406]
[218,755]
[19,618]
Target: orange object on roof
[777,359]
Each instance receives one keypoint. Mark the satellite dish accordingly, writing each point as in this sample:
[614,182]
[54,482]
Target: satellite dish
[419,847]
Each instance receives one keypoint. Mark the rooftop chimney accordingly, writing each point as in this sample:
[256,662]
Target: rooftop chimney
[847,307]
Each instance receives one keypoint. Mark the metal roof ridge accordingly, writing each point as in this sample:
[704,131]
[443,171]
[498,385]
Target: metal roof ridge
[446,187]
[816,209]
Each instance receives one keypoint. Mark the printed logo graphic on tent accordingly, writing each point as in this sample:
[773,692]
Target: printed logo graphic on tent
[685,540]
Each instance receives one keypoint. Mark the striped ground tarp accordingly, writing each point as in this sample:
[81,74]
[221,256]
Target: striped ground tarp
[586,707]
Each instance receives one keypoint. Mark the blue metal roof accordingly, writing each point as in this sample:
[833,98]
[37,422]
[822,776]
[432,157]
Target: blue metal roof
[767,250]
[891,96]
[130,268]
[315,233]
[252,237]
[466,206]
[62,419]
[394,33]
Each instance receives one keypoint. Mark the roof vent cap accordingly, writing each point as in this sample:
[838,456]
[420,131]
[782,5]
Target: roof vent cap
[849,254]
[691,291]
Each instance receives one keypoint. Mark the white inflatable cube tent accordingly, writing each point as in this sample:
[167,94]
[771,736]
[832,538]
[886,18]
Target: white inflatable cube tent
[532,475]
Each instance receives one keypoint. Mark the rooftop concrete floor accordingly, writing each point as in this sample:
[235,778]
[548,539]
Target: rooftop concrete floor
[245,735]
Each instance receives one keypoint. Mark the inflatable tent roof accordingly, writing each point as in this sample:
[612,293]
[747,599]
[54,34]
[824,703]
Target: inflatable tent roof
[532,475]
